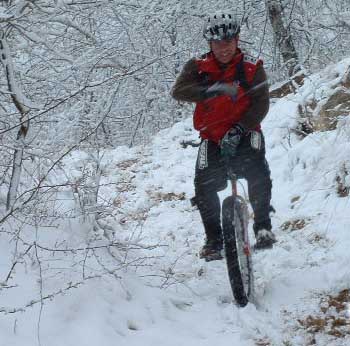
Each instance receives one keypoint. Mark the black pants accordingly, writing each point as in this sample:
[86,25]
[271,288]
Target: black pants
[211,177]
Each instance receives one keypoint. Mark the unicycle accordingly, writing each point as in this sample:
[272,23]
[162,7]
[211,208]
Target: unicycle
[236,245]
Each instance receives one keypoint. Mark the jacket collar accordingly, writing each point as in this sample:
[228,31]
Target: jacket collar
[210,63]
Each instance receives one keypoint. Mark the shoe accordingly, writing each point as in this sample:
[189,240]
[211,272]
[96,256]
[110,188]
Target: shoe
[211,251]
[264,239]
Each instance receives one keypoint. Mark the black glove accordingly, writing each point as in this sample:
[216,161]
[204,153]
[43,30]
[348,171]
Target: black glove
[229,143]
[220,88]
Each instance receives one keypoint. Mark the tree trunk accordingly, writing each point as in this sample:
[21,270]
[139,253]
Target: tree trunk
[283,37]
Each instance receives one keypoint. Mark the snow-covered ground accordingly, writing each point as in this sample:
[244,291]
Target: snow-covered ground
[166,295]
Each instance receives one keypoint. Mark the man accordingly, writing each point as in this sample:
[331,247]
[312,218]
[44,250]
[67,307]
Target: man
[232,98]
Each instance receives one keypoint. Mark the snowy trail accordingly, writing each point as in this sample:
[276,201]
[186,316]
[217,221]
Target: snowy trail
[210,313]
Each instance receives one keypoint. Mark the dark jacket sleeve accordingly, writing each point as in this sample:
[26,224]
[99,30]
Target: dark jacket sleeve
[260,100]
[190,85]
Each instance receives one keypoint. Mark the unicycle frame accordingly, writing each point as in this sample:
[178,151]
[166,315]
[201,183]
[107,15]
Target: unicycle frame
[246,247]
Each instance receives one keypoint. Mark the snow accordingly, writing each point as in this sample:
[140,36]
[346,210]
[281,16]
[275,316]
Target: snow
[167,296]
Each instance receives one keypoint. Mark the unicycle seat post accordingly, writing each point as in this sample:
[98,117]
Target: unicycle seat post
[232,177]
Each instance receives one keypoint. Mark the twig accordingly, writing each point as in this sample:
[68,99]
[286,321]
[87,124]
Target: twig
[16,262]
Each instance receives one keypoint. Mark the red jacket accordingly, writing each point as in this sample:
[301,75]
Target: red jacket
[215,116]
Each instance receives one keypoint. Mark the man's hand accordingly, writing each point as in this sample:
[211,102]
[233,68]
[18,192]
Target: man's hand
[231,140]
[220,88]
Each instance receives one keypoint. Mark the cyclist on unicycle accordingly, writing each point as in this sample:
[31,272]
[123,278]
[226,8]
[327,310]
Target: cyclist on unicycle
[232,98]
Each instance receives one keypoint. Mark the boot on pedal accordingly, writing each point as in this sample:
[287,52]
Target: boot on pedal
[211,251]
[265,238]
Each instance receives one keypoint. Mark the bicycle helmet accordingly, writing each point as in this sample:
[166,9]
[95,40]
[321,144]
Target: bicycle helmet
[221,26]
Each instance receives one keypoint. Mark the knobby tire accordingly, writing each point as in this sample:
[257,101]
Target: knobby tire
[239,264]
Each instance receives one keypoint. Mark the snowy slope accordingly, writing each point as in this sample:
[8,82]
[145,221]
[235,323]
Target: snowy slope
[166,295]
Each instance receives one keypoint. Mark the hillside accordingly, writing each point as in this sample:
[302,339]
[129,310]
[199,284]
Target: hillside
[140,281]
